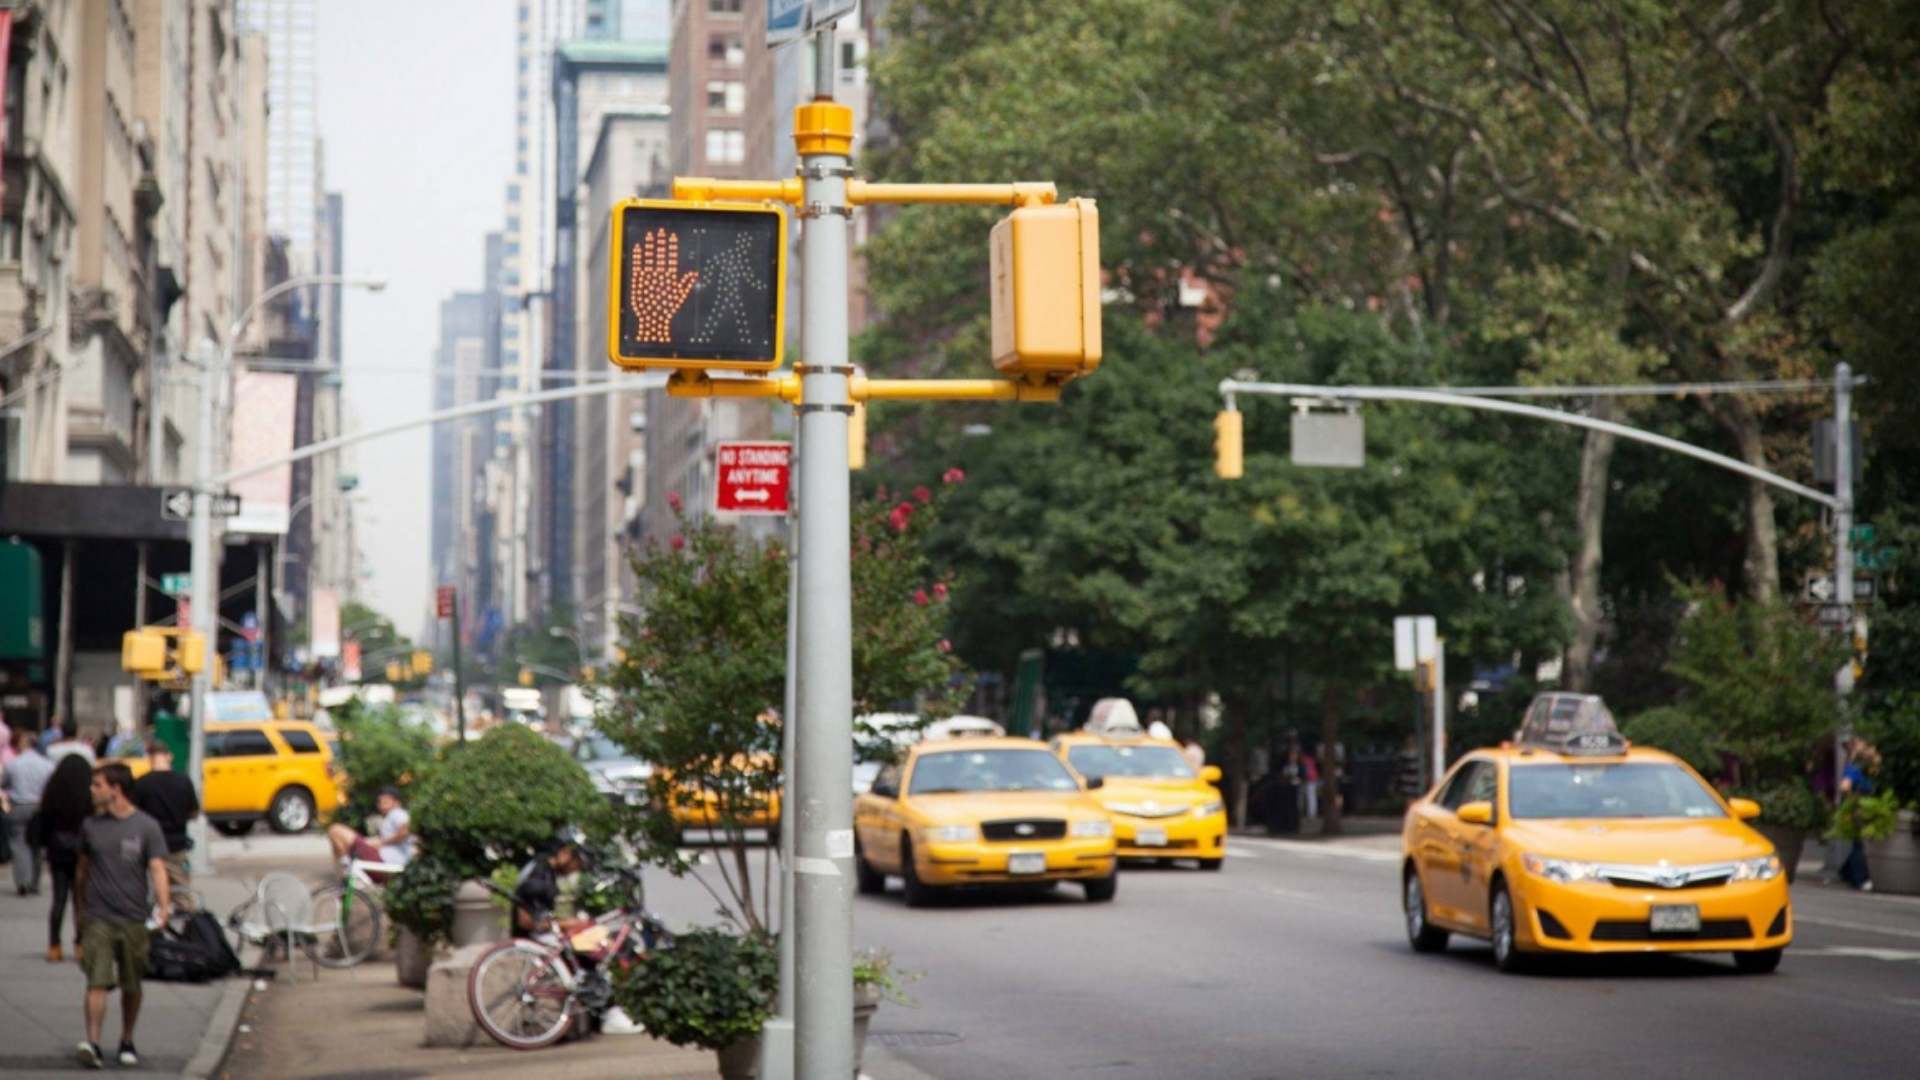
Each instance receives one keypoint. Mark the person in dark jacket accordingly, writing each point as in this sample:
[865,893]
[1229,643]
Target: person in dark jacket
[168,798]
[64,807]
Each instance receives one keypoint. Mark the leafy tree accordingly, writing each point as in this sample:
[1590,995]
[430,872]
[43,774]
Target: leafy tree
[378,747]
[703,673]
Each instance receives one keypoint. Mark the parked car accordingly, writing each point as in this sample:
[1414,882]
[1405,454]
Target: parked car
[614,770]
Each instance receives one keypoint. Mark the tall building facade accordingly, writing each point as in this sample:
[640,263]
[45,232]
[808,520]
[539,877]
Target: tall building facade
[292,190]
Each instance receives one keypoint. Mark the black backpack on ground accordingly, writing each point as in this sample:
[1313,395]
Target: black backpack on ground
[193,948]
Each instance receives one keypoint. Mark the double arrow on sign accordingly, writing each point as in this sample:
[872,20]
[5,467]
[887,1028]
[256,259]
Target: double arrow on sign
[758,495]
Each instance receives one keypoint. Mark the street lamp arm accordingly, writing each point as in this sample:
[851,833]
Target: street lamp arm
[240,324]
[1231,387]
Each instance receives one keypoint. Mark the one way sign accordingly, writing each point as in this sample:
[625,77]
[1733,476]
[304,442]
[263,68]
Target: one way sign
[752,478]
[176,504]
[1822,589]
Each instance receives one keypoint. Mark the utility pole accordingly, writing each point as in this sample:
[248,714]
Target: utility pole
[1843,548]
[821,816]
[459,686]
[205,592]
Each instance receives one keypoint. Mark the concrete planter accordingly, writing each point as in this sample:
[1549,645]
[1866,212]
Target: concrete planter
[741,1061]
[411,959]
[866,1002]
[475,918]
[1895,861]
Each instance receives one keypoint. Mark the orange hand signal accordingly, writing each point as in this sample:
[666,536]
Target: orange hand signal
[658,288]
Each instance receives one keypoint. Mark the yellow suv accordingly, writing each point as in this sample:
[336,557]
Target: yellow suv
[278,771]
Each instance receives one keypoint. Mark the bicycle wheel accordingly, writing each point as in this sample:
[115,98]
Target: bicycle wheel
[343,928]
[520,997]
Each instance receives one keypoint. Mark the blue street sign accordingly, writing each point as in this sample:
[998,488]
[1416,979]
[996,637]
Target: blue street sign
[791,20]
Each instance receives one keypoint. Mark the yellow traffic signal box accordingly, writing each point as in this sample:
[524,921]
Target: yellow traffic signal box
[1046,291]
[422,662]
[697,286]
[190,652]
[144,653]
[1228,430]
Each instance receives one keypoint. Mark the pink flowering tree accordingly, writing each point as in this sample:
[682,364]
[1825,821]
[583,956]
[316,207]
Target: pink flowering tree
[701,676]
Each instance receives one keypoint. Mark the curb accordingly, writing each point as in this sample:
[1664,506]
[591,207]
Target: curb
[218,1038]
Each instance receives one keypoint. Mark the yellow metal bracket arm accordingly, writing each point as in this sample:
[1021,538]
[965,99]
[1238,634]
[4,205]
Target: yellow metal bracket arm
[862,193]
[698,384]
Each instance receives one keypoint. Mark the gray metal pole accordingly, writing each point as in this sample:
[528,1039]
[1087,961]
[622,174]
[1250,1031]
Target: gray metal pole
[262,614]
[776,1036]
[204,593]
[1439,707]
[1842,543]
[821,818]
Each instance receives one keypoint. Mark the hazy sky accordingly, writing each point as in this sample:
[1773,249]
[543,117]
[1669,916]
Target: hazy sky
[416,110]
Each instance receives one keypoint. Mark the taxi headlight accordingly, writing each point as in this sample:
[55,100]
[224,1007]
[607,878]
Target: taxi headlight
[1563,871]
[1208,809]
[1765,868]
[1093,829]
[949,834]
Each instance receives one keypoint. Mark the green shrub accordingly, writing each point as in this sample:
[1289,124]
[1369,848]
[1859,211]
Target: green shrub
[1892,725]
[1788,805]
[711,989]
[1679,733]
[378,747]
[1866,817]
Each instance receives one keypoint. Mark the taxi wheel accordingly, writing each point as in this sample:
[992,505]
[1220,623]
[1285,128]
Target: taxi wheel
[1759,962]
[1421,934]
[869,881]
[1101,890]
[1506,953]
[916,894]
[291,811]
[235,828]
[1211,864]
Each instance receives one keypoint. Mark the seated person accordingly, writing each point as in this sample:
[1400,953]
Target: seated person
[536,893]
[393,845]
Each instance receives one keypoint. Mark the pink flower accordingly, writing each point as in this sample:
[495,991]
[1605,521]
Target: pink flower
[901,516]
[952,476]
[679,543]
[920,597]
[923,495]
[939,591]
[945,645]
[673,501]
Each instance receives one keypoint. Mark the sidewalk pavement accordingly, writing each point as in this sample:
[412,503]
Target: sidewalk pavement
[183,1028]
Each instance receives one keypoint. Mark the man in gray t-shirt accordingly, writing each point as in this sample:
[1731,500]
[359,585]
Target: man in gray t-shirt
[122,853]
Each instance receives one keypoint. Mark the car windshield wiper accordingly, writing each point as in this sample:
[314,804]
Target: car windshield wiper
[938,791]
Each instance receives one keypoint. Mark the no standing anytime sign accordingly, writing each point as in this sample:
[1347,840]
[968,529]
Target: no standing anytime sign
[752,478]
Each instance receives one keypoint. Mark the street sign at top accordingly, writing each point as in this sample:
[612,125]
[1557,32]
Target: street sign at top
[791,20]
[697,286]
[752,478]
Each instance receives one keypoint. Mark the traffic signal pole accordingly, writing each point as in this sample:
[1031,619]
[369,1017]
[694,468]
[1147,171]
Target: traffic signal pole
[821,817]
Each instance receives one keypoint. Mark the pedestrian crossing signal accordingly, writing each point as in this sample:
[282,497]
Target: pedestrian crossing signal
[697,286]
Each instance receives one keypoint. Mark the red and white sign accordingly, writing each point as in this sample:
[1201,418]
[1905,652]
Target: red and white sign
[752,478]
[443,602]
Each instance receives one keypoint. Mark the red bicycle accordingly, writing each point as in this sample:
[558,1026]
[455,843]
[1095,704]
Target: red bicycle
[528,993]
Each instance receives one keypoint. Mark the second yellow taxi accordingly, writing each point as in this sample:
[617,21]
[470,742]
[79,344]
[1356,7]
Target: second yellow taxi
[1569,841]
[981,811]
[1162,807]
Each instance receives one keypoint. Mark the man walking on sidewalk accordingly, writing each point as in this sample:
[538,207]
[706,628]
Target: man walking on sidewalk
[168,798]
[22,783]
[122,851]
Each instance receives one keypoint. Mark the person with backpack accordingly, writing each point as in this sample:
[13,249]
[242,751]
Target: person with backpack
[64,808]
[122,855]
[167,796]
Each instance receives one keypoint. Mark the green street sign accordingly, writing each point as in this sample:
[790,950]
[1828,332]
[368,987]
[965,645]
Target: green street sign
[1862,535]
[176,584]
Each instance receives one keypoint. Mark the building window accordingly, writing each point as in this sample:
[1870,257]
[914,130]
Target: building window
[724,7]
[727,97]
[726,147]
[726,48]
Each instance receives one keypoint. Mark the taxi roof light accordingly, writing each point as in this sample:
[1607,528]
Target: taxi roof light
[1571,724]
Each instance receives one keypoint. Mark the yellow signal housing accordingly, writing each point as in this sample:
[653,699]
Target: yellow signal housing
[422,662]
[190,652]
[1423,676]
[697,286]
[526,677]
[1228,427]
[1045,291]
[144,653]
[393,671]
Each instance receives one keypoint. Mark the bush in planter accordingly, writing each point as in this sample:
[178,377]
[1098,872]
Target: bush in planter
[494,802]
[378,747]
[1791,806]
[1866,817]
[1679,733]
[1892,725]
[874,972]
[712,989]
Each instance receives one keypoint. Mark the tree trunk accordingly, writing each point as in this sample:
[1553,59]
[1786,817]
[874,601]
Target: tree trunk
[1330,763]
[1234,745]
[1590,515]
[1760,567]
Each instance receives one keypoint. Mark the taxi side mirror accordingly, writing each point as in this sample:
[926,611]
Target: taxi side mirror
[1094,783]
[1476,813]
[1210,774]
[1744,809]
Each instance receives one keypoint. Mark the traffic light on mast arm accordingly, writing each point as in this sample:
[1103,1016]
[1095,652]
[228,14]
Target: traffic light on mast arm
[697,286]
[1227,430]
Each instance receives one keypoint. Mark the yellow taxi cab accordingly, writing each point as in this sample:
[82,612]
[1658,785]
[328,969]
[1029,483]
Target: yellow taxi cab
[981,811]
[1569,841]
[282,772]
[731,799]
[1162,807]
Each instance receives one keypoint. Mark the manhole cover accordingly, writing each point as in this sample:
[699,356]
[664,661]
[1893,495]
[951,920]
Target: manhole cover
[911,1040]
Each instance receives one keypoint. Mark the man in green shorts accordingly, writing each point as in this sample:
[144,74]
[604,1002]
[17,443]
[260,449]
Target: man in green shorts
[122,851]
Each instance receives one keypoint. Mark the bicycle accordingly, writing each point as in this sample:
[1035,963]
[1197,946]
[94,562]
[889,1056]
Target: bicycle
[350,909]
[527,993]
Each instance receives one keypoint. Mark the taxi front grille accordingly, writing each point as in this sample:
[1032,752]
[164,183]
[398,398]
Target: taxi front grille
[1710,930]
[1015,830]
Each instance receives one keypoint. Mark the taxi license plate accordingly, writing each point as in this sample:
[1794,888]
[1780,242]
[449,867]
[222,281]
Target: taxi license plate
[1675,919]
[1027,862]
[1150,838]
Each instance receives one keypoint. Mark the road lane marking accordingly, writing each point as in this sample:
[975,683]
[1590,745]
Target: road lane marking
[1312,850]
[1850,951]
[1242,852]
[1842,924]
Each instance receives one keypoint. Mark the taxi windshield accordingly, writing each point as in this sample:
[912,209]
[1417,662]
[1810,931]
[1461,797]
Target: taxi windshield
[989,770]
[1635,789]
[1103,761]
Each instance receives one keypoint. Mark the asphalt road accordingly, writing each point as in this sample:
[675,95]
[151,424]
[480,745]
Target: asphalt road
[1292,963]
